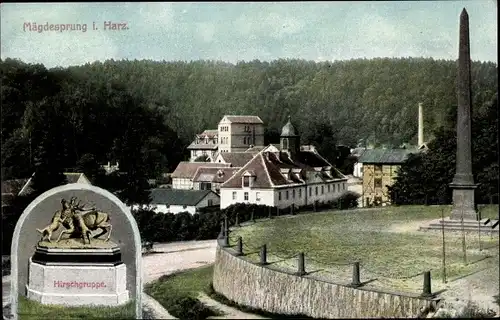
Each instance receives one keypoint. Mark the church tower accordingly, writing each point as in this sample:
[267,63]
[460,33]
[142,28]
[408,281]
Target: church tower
[290,140]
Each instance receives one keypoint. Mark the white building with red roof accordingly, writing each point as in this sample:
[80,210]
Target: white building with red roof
[284,176]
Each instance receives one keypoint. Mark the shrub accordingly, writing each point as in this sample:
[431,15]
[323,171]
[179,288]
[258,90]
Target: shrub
[471,310]
[188,308]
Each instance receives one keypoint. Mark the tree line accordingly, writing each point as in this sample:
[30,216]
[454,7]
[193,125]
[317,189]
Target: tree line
[144,113]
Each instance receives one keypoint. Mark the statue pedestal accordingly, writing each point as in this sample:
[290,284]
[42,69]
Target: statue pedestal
[463,202]
[77,276]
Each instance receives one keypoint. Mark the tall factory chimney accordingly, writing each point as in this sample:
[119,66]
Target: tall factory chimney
[420,125]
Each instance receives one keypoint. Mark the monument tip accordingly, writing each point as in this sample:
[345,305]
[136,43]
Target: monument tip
[464,13]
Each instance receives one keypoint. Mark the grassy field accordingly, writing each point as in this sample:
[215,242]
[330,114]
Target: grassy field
[32,310]
[171,290]
[385,241]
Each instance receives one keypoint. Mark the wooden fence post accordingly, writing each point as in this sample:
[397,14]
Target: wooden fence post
[427,292]
[355,275]
[301,265]
[263,255]
[239,247]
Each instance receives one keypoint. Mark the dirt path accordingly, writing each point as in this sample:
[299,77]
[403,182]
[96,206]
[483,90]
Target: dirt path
[229,312]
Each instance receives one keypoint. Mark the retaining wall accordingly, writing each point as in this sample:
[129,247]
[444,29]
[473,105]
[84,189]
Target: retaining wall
[279,292]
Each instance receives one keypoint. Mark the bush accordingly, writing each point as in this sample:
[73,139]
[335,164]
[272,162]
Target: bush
[206,224]
[188,308]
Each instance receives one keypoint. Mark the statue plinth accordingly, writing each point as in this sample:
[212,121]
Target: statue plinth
[463,202]
[71,273]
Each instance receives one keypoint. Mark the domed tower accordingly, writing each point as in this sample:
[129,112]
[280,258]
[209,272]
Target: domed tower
[290,139]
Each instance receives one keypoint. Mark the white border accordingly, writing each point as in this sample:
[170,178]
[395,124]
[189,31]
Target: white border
[14,290]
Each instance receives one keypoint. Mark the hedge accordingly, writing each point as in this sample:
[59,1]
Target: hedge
[206,224]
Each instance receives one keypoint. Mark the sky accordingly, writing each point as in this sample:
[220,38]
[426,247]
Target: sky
[232,32]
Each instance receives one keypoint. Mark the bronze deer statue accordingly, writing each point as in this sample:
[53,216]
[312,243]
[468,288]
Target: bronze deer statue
[86,220]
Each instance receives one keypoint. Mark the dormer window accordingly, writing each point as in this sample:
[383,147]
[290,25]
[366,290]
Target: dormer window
[248,179]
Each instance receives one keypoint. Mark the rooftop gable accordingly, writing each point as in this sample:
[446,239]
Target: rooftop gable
[187,169]
[385,156]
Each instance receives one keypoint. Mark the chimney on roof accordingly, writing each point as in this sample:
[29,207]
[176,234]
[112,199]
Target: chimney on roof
[420,125]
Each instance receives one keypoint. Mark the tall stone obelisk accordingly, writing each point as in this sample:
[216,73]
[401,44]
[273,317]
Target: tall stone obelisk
[463,183]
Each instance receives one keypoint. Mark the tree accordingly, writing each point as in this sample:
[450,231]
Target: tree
[44,126]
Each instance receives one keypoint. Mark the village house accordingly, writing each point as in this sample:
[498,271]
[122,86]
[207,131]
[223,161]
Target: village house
[205,145]
[285,176]
[380,168]
[238,133]
[23,187]
[176,201]
[182,177]
[71,177]
[211,178]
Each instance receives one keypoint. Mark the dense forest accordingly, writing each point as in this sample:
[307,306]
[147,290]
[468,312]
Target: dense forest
[145,113]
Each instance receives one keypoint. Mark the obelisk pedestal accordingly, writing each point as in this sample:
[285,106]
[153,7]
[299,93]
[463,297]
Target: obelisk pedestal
[463,183]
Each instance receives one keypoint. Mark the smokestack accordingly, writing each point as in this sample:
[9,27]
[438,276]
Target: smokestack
[420,125]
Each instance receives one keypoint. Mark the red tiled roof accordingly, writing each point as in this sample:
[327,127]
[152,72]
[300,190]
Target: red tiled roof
[215,175]
[237,159]
[268,167]
[187,169]
[244,119]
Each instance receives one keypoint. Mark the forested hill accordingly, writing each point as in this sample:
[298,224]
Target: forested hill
[145,113]
[375,100]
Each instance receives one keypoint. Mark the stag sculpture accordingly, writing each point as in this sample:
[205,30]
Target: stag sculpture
[78,222]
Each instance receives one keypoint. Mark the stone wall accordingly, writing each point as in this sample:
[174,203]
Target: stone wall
[275,291]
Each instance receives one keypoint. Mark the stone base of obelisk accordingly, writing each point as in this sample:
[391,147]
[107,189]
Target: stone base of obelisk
[77,277]
[463,202]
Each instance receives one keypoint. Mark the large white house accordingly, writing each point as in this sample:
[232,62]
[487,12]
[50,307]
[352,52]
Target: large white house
[290,175]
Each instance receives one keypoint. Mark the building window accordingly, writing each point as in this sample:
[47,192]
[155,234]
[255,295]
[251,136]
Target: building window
[246,181]
[206,186]
[378,182]
[210,202]
[234,195]
[244,140]
[322,190]
[343,186]
[300,193]
[279,196]
[286,194]
[328,188]
[310,191]
[338,188]
[257,196]
[316,190]
[246,196]
[378,168]
[293,194]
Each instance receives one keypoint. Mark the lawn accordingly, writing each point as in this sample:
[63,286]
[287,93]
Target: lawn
[178,292]
[32,310]
[384,240]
